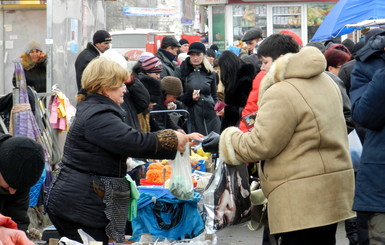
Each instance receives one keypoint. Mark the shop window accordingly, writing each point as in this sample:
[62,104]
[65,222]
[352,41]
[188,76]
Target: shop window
[316,13]
[248,16]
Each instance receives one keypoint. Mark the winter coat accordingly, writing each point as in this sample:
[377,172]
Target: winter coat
[252,100]
[98,144]
[236,94]
[368,109]
[161,120]
[35,73]
[202,114]
[300,133]
[85,57]
[169,67]
[136,101]
[16,207]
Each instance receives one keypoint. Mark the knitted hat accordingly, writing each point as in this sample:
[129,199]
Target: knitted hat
[197,47]
[210,52]
[101,36]
[293,35]
[183,41]
[153,87]
[172,85]
[152,65]
[33,45]
[21,161]
[318,45]
[144,56]
[214,47]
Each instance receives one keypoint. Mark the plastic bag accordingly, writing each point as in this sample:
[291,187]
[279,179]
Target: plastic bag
[166,217]
[181,179]
[355,148]
[226,199]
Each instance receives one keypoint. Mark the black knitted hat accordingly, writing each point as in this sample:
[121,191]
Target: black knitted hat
[172,85]
[101,36]
[210,52]
[153,87]
[21,161]
[183,41]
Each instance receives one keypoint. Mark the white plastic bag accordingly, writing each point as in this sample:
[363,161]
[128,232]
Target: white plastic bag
[355,148]
[181,179]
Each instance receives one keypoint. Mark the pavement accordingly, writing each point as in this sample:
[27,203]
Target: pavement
[240,234]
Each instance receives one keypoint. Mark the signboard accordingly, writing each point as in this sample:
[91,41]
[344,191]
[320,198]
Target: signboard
[211,2]
[278,1]
[137,11]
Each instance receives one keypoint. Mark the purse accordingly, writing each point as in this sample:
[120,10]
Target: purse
[258,206]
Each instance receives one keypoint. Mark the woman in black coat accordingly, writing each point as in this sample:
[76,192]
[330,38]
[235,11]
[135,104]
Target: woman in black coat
[91,191]
[200,90]
[237,78]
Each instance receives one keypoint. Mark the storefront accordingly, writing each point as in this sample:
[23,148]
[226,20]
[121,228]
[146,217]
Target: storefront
[229,20]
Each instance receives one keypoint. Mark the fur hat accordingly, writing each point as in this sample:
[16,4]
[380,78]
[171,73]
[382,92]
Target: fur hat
[152,65]
[153,87]
[101,36]
[172,85]
[197,47]
[21,162]
[33,45]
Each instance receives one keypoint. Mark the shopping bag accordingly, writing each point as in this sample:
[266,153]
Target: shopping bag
[226,199]
[181,185]
[355,148]
[164,217]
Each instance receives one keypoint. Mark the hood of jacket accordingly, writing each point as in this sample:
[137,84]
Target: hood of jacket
[308,62]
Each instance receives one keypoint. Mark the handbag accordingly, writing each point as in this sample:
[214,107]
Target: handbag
[258,206]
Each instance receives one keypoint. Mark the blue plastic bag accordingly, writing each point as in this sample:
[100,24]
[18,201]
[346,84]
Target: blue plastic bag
[169,218]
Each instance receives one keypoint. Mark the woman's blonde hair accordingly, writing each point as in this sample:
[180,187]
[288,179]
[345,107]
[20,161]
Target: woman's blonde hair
[100,75]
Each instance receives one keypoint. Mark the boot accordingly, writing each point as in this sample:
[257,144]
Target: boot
[351,231]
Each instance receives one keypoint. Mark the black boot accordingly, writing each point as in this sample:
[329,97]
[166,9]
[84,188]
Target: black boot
[351,231]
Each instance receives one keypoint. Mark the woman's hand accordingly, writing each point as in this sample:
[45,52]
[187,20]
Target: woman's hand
[196,95]
[182,141]
[13,237]
[195,138]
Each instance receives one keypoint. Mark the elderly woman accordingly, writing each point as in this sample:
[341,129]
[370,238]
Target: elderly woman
[91,192]
[300,133]
[34,62]
[200,90]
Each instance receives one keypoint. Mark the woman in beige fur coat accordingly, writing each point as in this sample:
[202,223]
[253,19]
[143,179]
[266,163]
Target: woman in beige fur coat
[300,133]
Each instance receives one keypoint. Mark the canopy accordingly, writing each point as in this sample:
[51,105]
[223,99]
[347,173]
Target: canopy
[348,12]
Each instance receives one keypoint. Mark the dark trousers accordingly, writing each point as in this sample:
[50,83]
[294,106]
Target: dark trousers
[324,235]
[70,230]
[362,227]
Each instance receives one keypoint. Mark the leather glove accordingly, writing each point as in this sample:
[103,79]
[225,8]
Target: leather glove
[210,143]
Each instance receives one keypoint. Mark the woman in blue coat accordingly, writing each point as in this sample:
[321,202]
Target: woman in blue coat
[368,109]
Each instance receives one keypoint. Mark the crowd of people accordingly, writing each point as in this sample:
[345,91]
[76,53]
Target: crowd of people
[283,109]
